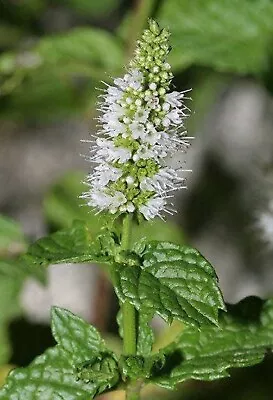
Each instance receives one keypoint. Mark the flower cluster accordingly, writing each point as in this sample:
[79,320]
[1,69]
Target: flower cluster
[141,124]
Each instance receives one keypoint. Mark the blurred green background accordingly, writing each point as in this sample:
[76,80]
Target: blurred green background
[53,56]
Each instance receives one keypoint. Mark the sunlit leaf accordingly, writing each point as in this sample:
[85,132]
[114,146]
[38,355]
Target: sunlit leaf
[174,281]
[244,336]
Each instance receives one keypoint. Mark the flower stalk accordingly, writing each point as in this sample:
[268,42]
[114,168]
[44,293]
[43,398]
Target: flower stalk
[141,125]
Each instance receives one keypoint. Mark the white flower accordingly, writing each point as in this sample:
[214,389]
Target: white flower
[174,99]
[99,199]
[175,117]
[113,126]
[141,115]
[141,124]
[113,94]
[138,130]
[109,152]
[153,207]
[143,153]
[117,200]
[103,174]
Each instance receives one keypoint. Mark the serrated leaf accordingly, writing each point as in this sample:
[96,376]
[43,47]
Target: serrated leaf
[74,335]
[72,245]
[136,367]
[12,238]
[233,36]
[244,335]
[145,335]
[173,281]
[50,376]
[60,373]
[102,370]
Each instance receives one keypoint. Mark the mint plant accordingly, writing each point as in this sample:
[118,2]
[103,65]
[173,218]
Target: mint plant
[141,125]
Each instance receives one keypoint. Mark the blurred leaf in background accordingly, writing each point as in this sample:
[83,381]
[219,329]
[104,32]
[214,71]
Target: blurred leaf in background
[62,205]
[93,8]
[13,273]
[63,69]
[44,74]
[229,36]
[60,69]
[12,242]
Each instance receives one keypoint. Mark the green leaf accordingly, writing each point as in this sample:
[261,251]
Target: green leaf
[233,36]
[77,368]
[93,8]
[145,339]
[74,335]
[83,47]
[13,272]
[244,336]
[81,343]
[9,309]
[72,245]
[12,239]
[50,376]
[10,35]
[12,276]
[59,73]
[9,302]
[174,281]
[136,367]
[103,370]
[158,230]
[62,204]
[18,269]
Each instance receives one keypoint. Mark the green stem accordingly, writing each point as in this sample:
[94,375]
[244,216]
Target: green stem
[142,12]
[128,310]
[133,390]
[129,328]
[129,314]
[126,232]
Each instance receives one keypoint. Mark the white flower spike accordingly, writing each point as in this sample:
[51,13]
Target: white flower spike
[141,124]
